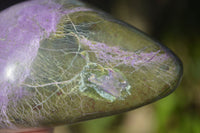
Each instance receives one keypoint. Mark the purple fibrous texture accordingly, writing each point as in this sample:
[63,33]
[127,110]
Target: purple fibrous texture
[19,42]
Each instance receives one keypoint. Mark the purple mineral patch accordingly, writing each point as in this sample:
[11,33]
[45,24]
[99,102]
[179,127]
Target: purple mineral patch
[22,29]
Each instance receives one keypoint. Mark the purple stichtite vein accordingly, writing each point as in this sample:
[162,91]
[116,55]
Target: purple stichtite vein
[114,56]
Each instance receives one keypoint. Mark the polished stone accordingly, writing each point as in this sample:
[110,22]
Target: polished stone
[62,62]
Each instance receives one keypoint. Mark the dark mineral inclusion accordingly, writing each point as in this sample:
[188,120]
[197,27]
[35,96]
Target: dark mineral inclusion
[62,62]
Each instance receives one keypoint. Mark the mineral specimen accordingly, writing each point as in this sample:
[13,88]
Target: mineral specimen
[62,62]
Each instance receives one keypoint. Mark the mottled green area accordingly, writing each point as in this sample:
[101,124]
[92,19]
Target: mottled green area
[106,82]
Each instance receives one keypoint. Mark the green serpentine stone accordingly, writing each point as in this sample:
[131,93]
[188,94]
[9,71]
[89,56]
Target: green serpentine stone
[62,62]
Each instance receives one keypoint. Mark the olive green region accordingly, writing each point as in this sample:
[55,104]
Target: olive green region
[157,77]
[102,28]
[55,78]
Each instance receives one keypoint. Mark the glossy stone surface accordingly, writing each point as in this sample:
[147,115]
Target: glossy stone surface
[62,62]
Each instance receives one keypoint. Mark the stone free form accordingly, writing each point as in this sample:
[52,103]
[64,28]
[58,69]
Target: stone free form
[62,62]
